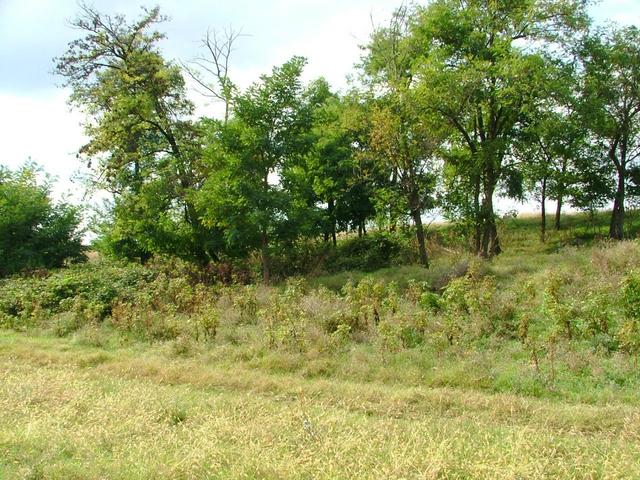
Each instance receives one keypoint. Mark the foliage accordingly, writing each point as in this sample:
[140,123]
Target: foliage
[265,138]
[475,75]
[403,138]
[35,232]
[141,143]
[368,253]
[629,334]
[558,309]
[611,109]
[284,319]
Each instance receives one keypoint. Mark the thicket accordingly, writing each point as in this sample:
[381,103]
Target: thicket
[588,302]
[35,231]
[527,100]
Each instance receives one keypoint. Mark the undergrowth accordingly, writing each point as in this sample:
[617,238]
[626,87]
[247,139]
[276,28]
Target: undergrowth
[570,325]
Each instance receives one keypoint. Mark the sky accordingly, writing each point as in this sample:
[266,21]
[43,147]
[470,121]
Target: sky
[36,123]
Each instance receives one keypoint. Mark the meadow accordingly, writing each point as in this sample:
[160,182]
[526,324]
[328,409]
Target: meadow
[524,366]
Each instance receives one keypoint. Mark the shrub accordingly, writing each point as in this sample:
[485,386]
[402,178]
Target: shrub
[555,307]
[35,233]
[370,299]
[415,290]
[390,336]
[284,319]
[368,253]
[467,306]
[629,334]
[245,300]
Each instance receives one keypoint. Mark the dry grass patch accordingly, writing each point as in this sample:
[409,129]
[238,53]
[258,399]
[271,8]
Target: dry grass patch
[71,411]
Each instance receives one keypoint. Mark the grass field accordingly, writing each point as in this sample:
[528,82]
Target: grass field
[288,391]
[72,411]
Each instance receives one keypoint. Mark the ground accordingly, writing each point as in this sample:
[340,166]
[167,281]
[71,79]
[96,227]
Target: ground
[74,411]
[82,398]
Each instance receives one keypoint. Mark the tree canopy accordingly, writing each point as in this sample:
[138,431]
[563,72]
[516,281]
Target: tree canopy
[456,103]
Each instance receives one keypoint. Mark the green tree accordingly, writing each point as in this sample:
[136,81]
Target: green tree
[480,70]
[359,205]
[611,63]
[402,137]
[253,159]
[333,165]
[35,232]
[552,140]
[143,146]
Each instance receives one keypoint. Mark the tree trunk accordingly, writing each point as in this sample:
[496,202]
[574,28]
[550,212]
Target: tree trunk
[264,253]
[332,217]
[422,248]
[490,245]
[558,212]
[560,198]
[477,234]
[616,227]
[543,210]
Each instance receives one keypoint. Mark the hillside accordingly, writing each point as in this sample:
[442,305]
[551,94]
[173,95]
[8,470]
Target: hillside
[524,366]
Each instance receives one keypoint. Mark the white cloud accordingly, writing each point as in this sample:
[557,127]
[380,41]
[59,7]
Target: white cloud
[41,128]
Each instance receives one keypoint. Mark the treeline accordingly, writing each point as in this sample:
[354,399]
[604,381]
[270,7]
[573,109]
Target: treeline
[455,104]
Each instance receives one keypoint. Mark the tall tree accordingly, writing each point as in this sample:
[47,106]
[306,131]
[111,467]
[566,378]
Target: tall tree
[401,136]
[611,62]
[141,141]
[329,164]
[551,140]
[480,70]
[252,156]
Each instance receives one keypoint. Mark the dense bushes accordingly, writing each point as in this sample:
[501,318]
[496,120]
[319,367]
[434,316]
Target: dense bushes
[366,254]
[583,305]
[371,252]
[34,231]
[163,300]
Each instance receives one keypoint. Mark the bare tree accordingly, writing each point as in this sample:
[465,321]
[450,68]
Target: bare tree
[219,47]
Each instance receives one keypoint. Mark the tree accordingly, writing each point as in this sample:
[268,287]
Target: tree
[253,157]
[402,137]
[216,64]
[479,69]
[333,166]
[35,232]
[552,140]
[142,145]
[366,177]
[611,63]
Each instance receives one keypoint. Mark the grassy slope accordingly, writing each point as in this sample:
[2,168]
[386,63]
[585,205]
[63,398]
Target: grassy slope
[522,250]
[72,411]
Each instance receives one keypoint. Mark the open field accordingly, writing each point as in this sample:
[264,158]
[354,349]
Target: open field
[72,411]
[524,366]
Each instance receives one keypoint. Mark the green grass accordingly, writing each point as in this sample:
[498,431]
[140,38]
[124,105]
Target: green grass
[71,411]
[278,394]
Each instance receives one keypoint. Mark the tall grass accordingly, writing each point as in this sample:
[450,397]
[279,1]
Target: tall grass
[71,411]
[524,366]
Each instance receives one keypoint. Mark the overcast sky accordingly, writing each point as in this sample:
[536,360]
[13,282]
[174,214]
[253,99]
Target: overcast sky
[36,123]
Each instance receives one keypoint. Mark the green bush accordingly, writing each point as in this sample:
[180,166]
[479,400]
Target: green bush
[284,320]
[369,253]
[35,232]
[88,290]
